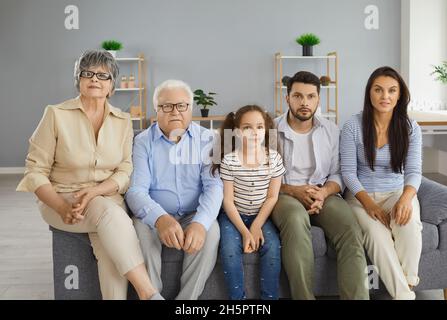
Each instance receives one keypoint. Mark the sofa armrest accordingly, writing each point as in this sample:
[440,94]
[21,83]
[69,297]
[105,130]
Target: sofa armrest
[433,200]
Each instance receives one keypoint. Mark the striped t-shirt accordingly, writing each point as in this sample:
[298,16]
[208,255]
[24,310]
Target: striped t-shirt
[250,184]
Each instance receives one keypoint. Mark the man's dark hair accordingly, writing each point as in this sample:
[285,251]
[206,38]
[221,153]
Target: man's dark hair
[304,77]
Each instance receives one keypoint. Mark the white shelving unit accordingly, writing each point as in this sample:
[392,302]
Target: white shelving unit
[330,109]
[140,89]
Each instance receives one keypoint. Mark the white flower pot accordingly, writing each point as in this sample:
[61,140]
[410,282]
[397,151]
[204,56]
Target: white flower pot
[112,52]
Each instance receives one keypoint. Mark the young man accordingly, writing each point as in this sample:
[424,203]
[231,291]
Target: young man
[310,195]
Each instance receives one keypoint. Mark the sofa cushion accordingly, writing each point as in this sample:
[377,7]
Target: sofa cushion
[443,236]
[83,237]
[318,241]
[430,194]
[430,237]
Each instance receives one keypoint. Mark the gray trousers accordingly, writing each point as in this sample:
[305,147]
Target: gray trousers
[196,267]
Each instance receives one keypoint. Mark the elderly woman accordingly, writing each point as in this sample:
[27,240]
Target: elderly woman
[79,164]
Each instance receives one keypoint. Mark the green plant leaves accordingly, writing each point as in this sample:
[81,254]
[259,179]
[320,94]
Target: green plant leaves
[441,72]
[308,39]
[112,45]
[203,99]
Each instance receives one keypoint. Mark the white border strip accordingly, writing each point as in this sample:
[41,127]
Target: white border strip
[12,170]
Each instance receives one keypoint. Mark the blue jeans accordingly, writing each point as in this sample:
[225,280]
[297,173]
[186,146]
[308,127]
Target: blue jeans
[231,250]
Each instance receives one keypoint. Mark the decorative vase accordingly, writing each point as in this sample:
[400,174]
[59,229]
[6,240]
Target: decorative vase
[307,51]
[204,112]
[112,52]
[123,83]
[131,81]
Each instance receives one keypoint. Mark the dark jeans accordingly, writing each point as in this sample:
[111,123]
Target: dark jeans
[231,251]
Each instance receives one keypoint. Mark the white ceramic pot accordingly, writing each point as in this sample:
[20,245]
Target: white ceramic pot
[112,52]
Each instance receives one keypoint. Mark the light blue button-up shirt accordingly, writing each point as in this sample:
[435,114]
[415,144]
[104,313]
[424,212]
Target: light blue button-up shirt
[174,178]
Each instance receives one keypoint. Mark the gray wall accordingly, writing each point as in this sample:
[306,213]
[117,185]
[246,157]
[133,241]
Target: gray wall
[225,46]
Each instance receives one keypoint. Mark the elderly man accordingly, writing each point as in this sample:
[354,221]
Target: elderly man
[173,194]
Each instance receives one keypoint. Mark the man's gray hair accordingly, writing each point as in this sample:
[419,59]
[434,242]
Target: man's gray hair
[96,58]
[172,84]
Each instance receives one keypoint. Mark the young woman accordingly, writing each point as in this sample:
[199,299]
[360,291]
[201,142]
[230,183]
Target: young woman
[380,152]
[251,174]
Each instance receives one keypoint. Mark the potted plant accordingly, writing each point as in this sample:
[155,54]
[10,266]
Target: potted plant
[112,46]
[204,100]
[308,40]
[441,72]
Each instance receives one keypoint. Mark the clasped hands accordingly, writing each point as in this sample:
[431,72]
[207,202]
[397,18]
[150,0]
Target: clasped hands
[172,235]
[311,196]
[72,213]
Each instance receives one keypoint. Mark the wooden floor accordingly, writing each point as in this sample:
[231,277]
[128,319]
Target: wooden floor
[25,246]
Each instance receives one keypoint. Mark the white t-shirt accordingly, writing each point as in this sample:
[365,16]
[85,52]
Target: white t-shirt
[303,158]
[250,184]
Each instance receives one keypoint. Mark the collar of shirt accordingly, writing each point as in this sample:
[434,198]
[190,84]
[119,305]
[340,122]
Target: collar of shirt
[283,125]
[158,134]
[76,103]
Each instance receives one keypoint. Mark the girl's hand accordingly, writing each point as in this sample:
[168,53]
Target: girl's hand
[248,242]
[257,235]
[83,197]
[402,211]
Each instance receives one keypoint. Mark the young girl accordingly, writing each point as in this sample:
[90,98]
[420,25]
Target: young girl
[251,174]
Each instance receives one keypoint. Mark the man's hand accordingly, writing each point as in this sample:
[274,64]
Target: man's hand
[302,194]
[317,193]
[195,235]
[402,211]
[316,207]
[170,232]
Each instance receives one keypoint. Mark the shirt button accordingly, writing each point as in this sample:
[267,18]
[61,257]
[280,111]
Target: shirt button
[251,202]
[252,183]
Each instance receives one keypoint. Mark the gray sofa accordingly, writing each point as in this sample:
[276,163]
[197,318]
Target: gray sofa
[74,249]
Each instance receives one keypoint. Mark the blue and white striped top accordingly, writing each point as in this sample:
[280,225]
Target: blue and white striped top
[355,169]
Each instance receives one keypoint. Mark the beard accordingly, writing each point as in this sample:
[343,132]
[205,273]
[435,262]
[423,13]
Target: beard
[301,117]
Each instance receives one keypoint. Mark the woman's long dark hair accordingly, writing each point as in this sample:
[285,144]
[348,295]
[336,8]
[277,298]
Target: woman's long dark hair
[233,121]
[399,128]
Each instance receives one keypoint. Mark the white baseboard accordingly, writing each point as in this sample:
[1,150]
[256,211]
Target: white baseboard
[12,170]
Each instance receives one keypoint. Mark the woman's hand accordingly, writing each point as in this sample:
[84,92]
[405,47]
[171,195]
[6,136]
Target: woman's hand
[83,197]
[248,242]
[67,214]
[258,236]
[377,213]
[402,211]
